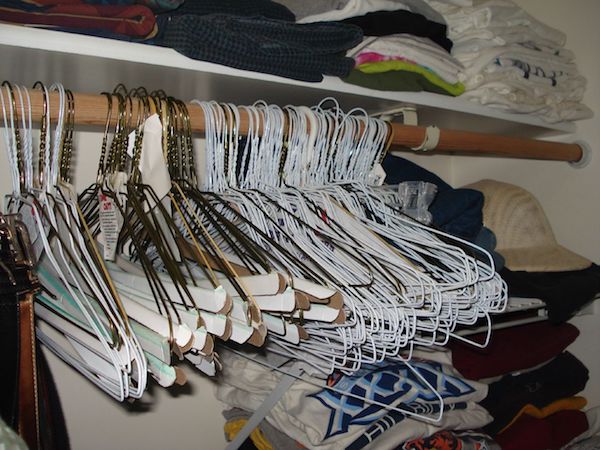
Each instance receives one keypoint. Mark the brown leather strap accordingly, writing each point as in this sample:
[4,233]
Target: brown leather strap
[28,423]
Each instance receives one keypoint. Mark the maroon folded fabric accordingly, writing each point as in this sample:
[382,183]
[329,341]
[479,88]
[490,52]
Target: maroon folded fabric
[132,20]
[57,2]
[550,433]
[512,349]
[157,6]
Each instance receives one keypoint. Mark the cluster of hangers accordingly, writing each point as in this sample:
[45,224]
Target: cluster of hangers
[281,239]
[300,185]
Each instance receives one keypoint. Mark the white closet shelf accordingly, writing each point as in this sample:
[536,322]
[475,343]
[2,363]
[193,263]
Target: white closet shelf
[536,308]
[91,64]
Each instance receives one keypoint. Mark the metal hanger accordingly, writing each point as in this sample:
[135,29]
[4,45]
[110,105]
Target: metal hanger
[99,346]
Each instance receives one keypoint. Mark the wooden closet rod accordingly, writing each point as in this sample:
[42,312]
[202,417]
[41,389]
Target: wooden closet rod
[91,110]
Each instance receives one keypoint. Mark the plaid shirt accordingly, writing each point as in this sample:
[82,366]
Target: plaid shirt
[301,51]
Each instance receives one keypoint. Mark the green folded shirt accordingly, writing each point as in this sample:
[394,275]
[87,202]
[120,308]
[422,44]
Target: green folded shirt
[396,75]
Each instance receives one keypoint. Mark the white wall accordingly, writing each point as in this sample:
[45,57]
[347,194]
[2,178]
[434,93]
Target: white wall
[188,418]
[191,419]
[569,196]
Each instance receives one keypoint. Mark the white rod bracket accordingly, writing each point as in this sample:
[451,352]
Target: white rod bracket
[408,113]
[430,141]
[586,155]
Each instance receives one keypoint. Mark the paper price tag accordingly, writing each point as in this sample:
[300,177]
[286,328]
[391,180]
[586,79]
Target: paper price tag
[110,225]
[30,220]
[376,176]
[130,144]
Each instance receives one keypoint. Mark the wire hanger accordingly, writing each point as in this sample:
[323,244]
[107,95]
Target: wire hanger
[109,356]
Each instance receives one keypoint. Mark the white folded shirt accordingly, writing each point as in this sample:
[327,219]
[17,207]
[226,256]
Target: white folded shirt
[574,84]
[506,97]
[420,50]
[355,8]
[474,45]
[493,13]
[476,62]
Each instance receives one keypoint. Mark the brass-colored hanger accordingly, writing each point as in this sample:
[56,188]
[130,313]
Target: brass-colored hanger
[17,134]
[43,136]
[199,245]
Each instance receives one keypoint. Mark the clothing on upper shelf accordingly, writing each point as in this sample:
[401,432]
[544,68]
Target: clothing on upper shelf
[412,48]
[155,5]
[385,23]
[255,8]
[304,52]
[401,76]
[304,8]
[405,62]
[392,65]
[485,14]
[515,99]
[529,79]
[563,292]
[512,349]
[374,57]
[307,11]
[476,40]
[129,21]
[416,49]
[550,433]
[486,58]
[562,377]
[514,62]
[516,74]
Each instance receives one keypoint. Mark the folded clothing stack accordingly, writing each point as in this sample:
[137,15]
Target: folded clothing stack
[260,36]
[534,403]
[300,51]
[267,437]
[530,394]
[542,399]
[512,61]
[130,20]
[310,11]
[318,418]
[406,46]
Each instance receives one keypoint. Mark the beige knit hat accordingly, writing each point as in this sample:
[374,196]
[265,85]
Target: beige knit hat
[523,232]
